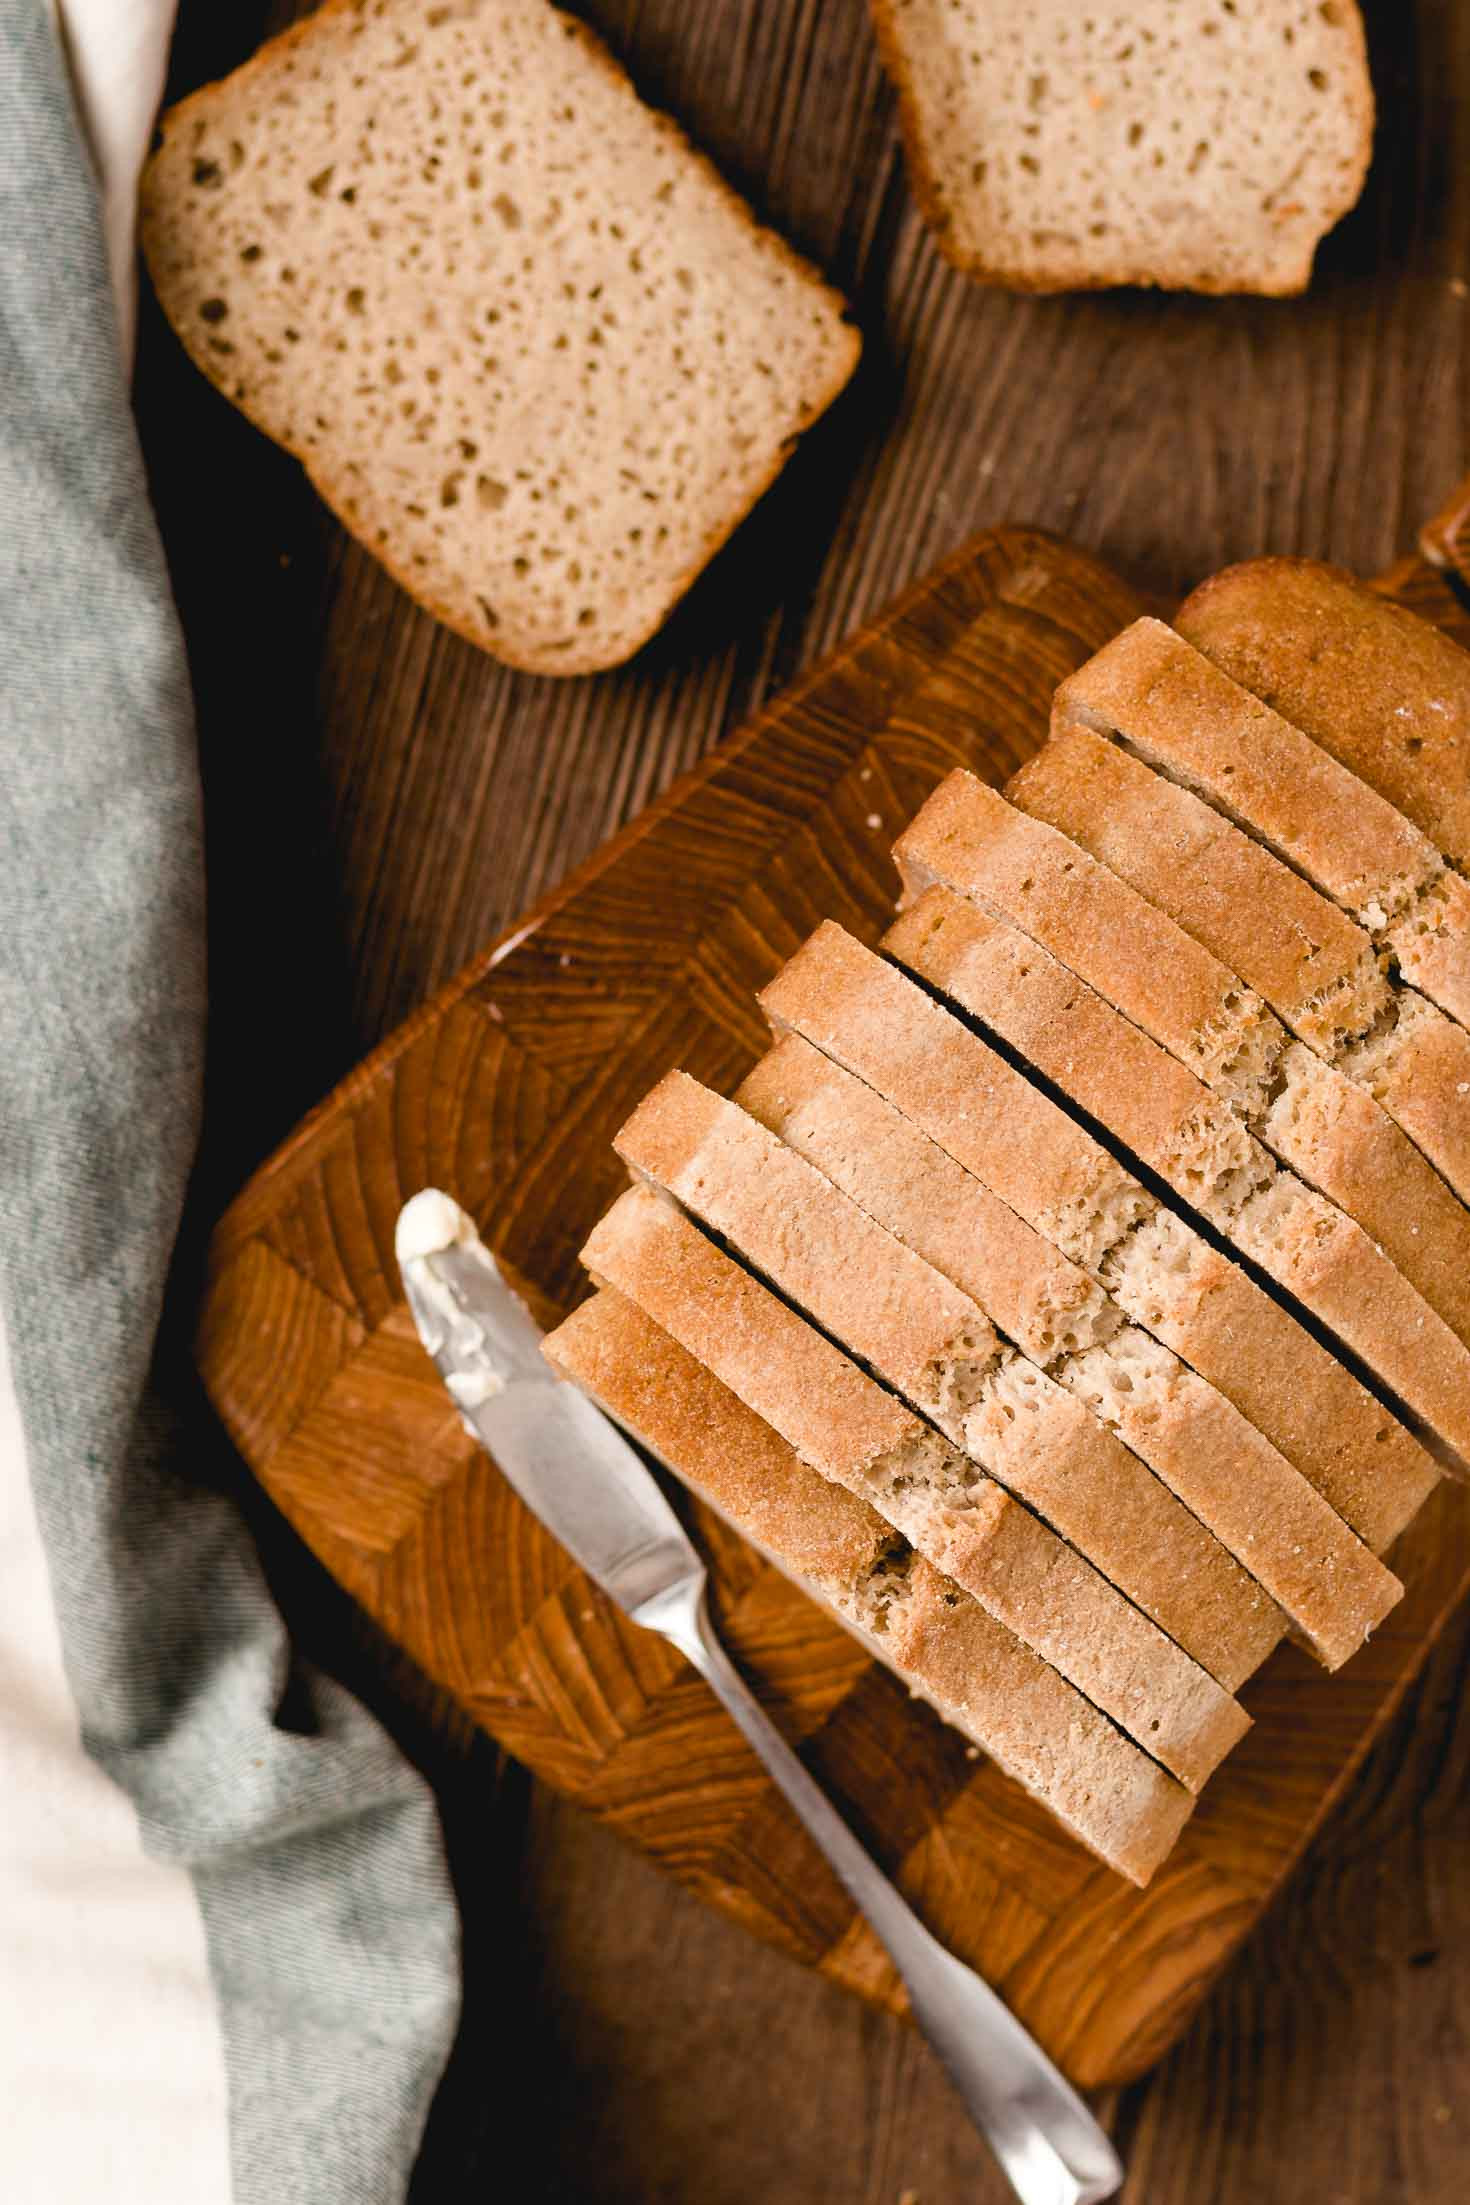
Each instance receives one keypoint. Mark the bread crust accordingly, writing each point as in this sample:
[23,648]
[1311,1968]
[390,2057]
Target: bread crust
[1308,959]
[1054,1599]
[1224,1471]
[1169,1120]
[332,482]
[1382,690]
[944,1648]
[904,1320]
[1187,719]
[1335,1134]
[873,1021]
[1036,1295]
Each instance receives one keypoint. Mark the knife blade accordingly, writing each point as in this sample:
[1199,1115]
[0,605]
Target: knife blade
[575,1470]
[570,1465]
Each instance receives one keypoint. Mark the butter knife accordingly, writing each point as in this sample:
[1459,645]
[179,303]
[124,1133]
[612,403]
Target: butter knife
[574,1469]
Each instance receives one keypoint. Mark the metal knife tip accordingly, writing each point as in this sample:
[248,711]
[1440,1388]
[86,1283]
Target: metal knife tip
[429,1222]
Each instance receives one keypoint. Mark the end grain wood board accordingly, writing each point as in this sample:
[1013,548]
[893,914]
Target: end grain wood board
[505,1090]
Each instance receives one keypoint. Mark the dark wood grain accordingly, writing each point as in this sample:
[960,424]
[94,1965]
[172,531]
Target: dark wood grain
[381,802]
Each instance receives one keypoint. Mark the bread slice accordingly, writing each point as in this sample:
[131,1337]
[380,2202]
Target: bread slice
[1195,148]
[1177,711]
[873,1021]
[1385,692]
[1310,961]
[1164,1116]
[941,1645]
[959,1520]
[1262,1510]
[527,344]
[1036,1295]
[934,1344]
[1333,1133]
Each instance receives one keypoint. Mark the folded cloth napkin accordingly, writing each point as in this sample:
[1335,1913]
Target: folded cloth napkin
[228,1948]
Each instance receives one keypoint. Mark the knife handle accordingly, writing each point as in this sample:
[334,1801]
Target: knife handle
[1050,2146]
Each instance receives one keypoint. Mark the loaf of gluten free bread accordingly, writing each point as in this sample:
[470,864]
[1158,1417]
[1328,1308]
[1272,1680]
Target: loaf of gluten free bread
[942,1645]
[1183,716]
[1307,1112]
[879,1026]
[527,344]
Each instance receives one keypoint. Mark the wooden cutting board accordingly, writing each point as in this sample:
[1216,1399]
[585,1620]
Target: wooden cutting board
[505,1090]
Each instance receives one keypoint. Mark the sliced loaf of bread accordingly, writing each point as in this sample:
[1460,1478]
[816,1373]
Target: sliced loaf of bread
[1193,146]
[527,344]
[1182,715]
[942,1646]
[1310,962]
[1164,1116]
[857,1435]
[934,1344]
[1384,691]
[1308,1113]
[875,1023]
[1261,1510]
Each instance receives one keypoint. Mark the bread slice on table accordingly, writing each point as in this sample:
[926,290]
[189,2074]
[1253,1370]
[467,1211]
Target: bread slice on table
[1334,1134]
[1201,149]
[934,1344]
[1388,694]
[1163,1115]
[527,344]
[1311,963]
[1177,711]
[849,1429]
[941,1645]
[875,1023]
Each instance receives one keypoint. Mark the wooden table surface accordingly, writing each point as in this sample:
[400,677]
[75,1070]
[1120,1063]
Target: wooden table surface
[381,800]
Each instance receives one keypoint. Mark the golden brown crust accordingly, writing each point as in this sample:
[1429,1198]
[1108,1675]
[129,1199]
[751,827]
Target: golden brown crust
[943,1647]
[1167,1118]
[1307,959]
[882,1029]
[820,1531]
[821,1403]
[855,1008]
[1110,1068]
[1052,1598]
[1027,874]
[881,1301]
[1035,1294]
[1359,1457]
[1189,720]
[1384,691]
[1341,1141]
